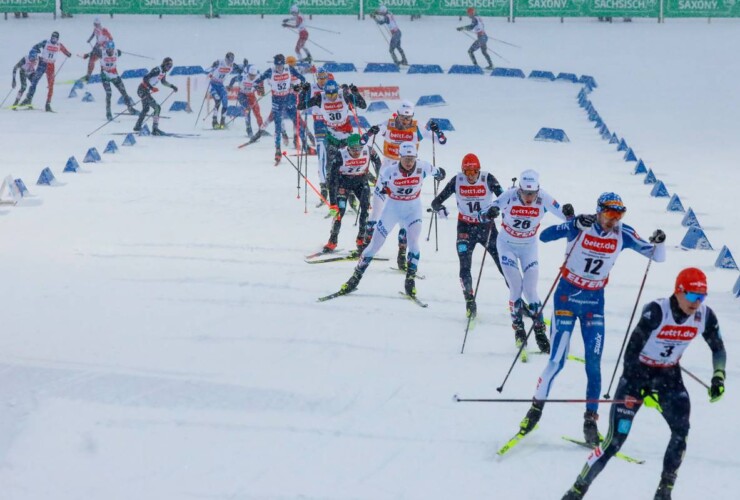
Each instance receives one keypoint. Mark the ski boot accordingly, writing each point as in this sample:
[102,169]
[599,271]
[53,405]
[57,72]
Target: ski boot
[665,487]
[576,491]
[520,335]
[48,108]
[471,310]
[25,102]
[286,141]
[361,244]
[401,259]
[214,123]
[410,284]
[132,110]
[331,245]
[278,156]
[108,116]
[222,123]
[157,131]
[352,282]
[590,428]
[541,337]
[15,103]
[533,416]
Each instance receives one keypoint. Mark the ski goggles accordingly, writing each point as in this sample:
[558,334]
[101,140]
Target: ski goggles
[612,214]
[528,193]
[694,296]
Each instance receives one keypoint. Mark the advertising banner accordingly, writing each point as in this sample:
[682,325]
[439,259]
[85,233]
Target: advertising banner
[587,8]
[27,5]
[701,8]
[137,6]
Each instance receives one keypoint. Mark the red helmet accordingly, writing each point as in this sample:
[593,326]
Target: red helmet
[691,279]
[470,163]
[471,11]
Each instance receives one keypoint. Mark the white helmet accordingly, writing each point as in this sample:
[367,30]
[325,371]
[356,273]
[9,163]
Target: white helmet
[382,9]
[406,109]
[252,70]
[96,21]
[407,149]
[529,180]
[294,9]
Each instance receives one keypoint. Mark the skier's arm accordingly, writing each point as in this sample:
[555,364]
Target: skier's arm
[448,191]
[264,76]
[551,205]
[493,185]
[713,338]
[64,50]
[91,37]
[565,230]
[307,103]
[353,97]
[297,74]
[631,240]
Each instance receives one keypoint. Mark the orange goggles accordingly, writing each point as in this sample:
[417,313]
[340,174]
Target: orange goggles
[612,214]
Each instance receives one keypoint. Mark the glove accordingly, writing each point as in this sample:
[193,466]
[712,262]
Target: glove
[154,90]
[353,88]
[433,127]
[650,399]
[585,221]
[441,211]
[658,236]
[297,87]
[260,90]
[333,211]
[373,130]
[285,25]
[493,212]
[13,85]
[440,175]
[718,386]
[568,211]
[174,88]
[306,86]
[345,87]
[460,28]
[86,56]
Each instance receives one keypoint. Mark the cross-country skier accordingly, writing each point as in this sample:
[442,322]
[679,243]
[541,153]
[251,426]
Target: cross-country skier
[109,74]
[102,36]
[383,16]
[217,73]
[298,24]
[652,375]
[147,87]
[349,172]
[596,242]
[247,98]
[283,99]
[26,68]
[335,109]
[402,183]
[473,189]
[522,209]
[481,42]
[399,128]
[48,52]
[319,130]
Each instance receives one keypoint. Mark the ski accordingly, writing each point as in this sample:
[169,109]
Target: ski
[333,295]
[255,138]
[414,300]
[512,442]
[619,454]
[322,252]
[340,259]
[418,276]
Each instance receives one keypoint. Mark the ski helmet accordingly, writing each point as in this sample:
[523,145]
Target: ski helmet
[322,74]
[382,9]
[353,142]
[33,55]
[96,21]
[331,87]
[407,149]
[610,201]
[167,63]
[291,60]
[294,9]
[54,36]
[470,164]
[278,59]
[252,69]
[529,180]
[109,45]
[471,11]
[691,279]
[229,57]
[406,109]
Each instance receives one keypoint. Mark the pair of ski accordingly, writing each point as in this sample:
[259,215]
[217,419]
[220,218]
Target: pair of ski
[519,436]
[163,134]
[334,295]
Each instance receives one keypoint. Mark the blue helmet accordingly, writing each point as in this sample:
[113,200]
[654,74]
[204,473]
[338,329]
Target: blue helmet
[33,55]
[610,201]
[279,59]
[322,71]
[109,45]
[331,87]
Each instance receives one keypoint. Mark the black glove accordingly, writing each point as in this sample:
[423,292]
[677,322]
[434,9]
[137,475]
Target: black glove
[658,236]
[345,87]
[373,130]
[353,88]
[440,174]
[718,386]
[585,221]
[568,210]
[174,88]
[493,212]
[297,87]
[306,86]
[461,28]
[433,127]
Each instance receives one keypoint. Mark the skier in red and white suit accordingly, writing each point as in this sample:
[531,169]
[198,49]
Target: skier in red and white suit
[298,24]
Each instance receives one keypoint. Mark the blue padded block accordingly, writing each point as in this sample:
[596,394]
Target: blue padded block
[381,68]
[415,69]
[465,69]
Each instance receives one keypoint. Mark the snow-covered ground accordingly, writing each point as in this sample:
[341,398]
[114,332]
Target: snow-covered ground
[161,337]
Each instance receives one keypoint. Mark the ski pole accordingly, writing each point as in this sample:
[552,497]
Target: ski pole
[382,33]
[6,97]
[137,55]
[323,29]
[477,284]
[311,41]
[109,121]
[505,42]
[629,325]
[436,185]
[58,69]
[706,386]
[457,399]
[555,282]
[202,104]
[318,193]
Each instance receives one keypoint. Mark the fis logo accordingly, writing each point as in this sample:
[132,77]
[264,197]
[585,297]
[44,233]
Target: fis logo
[476,191]
[518,211]
[678,333]
[601,245]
